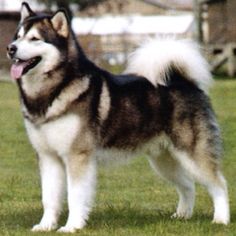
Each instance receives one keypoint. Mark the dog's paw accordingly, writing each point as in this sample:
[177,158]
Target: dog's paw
[183,216]
[68,229]
[72,228]
[43,227]
[221,221]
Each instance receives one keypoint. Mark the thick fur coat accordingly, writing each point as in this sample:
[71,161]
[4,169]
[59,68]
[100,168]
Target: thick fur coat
[75,111]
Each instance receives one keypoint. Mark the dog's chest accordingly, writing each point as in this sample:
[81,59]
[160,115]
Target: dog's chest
[56,136]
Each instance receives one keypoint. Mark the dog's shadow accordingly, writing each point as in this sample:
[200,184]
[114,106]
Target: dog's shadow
[112,217]
[122,217]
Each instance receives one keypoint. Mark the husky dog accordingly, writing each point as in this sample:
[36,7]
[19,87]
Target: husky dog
[75,111]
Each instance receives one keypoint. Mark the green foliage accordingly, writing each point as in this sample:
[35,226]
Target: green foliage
[130,199]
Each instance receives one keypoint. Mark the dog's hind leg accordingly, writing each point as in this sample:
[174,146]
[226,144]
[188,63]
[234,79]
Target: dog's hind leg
[206,171]
[218,191]
[169,169]
[53,188]
[81,183]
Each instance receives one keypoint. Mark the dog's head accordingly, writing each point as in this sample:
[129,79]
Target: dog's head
[38,43]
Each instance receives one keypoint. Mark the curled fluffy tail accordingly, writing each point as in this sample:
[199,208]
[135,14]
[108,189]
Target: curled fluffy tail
[156,58]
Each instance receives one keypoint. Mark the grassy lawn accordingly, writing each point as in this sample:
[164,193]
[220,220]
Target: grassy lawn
[130,199]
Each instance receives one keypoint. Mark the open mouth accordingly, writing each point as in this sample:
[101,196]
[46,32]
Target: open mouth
[21,67]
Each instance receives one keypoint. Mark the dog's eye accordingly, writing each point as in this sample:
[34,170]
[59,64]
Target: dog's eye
[34,39]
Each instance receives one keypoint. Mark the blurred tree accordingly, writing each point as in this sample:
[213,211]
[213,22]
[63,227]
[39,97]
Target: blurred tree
[82,4]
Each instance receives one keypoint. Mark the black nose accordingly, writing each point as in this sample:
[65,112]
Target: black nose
[11,49]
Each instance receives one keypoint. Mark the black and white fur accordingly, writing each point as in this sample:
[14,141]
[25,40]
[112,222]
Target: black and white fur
[74,112]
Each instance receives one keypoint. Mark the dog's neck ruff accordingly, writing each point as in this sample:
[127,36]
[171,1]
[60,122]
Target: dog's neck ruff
[49,107]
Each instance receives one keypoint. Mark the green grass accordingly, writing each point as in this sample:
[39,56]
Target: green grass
[130,199]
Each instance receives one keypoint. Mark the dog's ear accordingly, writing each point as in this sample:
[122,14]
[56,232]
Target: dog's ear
[60,23]
[25,11]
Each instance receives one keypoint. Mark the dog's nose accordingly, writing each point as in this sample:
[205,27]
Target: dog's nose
[11,49]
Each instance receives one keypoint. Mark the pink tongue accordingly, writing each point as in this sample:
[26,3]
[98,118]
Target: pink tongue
[17,70]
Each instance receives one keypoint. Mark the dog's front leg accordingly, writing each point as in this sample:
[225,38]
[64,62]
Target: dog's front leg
[53,188]
[81,183]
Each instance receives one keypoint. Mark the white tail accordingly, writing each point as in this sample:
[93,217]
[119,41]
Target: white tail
[156,57]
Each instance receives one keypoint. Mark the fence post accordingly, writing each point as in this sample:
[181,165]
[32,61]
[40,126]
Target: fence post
[198,21]
[231,59]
